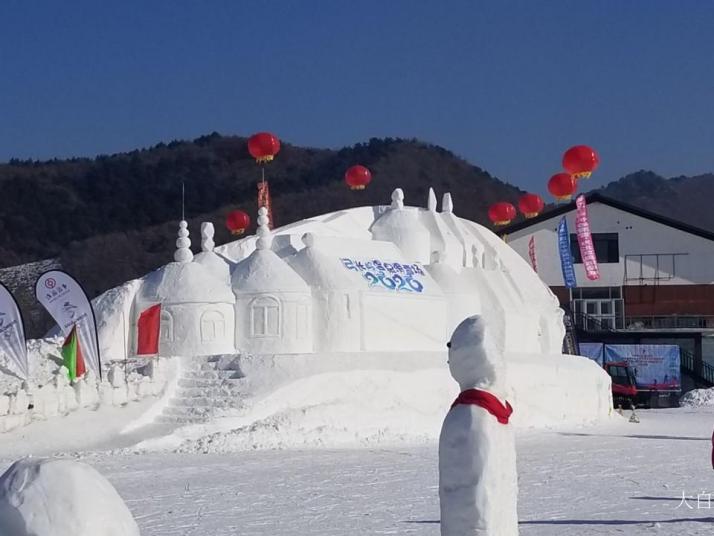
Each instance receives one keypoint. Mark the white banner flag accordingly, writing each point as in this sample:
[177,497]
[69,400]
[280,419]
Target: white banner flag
[12,334]
[66,301]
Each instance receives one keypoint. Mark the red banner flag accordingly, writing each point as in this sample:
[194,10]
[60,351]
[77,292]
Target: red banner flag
[149,325]
[264,201]
[72,355]
[532,254]
[585,239]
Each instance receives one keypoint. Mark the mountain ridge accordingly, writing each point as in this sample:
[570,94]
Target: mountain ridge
[113,218]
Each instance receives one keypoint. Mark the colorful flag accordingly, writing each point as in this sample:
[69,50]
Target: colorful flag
[149,326]
[566,258]
[585,239]
[264,201]
[72,355]
[67,302]
[532,253]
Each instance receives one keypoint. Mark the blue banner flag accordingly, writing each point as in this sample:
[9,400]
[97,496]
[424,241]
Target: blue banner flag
[566,258]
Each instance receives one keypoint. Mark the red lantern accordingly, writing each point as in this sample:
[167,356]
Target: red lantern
[531,205]
[562,186]
[580,161]
[263,146]
[237,222]
[358,177]
[502,213]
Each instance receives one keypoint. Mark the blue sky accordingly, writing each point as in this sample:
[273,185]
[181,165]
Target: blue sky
[506,84]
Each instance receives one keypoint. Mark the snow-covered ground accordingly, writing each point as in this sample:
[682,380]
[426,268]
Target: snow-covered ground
[620,478]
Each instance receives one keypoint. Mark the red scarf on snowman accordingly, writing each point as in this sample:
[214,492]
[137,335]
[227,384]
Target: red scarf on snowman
[487,401]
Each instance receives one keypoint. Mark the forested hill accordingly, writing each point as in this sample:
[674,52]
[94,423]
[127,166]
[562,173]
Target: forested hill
[687,199]
[113,218]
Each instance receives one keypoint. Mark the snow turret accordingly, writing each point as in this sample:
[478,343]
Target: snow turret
[207,232]
[273,303]
[213,262]
[458,229]
[265,237]
[447,205]
[183,244]
[398,198]
[263,270]
[402,226]
[431,201]
[443,244]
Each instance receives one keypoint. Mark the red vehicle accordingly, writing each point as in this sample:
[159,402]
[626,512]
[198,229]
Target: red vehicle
[624,389]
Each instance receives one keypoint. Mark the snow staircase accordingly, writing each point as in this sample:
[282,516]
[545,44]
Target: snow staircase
[208,386]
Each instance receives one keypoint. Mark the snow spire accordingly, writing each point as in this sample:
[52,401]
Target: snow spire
[398,198]
[207,232]
[447,205]
[264,236]
[309,240]
[183,244]
[431,203]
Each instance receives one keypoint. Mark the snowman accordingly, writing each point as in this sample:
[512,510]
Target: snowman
[478,484]
[46,497]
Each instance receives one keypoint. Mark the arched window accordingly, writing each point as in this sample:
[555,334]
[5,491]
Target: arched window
[265,317]
[213,326]
[167,326]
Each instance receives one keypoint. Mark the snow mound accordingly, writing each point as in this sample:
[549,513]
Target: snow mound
[697,398]
[359,408]
[40,497]
[44,357]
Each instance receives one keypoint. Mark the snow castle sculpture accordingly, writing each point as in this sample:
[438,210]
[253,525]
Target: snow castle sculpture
[370,279]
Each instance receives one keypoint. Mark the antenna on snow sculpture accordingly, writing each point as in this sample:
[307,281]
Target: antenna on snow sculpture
[183,244]
[431,202]
[398,198]
[183,201]
[207,232]
[447,205]
[265,238]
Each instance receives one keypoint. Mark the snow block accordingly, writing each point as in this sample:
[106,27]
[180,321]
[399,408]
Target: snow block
[106,393]
[40,497]
[19,402]
[116,376]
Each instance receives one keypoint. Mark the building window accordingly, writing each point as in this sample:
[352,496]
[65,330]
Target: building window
[167,326]
[607,248]
[213,326]
[265,317]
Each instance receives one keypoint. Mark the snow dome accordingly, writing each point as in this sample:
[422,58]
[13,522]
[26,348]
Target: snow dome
[212,262]
[197,305]
[273,305]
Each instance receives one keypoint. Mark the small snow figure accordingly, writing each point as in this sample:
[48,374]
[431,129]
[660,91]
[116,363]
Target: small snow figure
[634,418]
[478,483]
